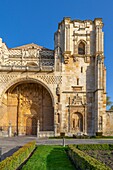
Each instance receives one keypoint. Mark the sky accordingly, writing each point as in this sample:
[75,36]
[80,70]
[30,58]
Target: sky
[36,21]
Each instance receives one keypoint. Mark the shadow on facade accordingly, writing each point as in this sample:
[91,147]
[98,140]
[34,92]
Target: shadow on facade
[90,96]
[27,104]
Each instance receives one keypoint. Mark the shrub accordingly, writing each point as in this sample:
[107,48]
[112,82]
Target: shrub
[14,161]
[99,133]
[83,161]
[94,147]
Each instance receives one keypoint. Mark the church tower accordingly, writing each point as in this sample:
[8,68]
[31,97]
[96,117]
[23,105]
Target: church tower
[79,58]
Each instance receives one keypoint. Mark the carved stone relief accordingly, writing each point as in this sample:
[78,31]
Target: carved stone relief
[66,58]
[77,100]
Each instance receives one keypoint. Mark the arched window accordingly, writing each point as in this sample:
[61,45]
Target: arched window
[58,118]
[81,48]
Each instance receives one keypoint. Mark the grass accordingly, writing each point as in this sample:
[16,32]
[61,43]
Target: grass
[49,158]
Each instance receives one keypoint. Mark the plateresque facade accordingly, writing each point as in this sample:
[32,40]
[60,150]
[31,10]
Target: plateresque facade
[46,92]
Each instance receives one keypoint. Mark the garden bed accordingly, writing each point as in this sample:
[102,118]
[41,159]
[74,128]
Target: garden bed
[103,156]
[101,152]
[14,162]
[92,156]
[49,158]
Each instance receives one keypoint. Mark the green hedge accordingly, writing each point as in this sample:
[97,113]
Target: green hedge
[94,146]
[83,161]
[14,161]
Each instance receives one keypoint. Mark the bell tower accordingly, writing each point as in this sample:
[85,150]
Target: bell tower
[79,57]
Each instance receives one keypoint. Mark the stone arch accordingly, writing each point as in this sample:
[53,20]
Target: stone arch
[83,41]
[18,81]
[29,101]
[82,47]
[77,122]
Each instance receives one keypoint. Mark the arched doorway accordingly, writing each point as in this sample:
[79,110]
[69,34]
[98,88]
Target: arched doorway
[77,122]
[28,102]
[31,126]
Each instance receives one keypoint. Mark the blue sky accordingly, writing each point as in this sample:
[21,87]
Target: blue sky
[35,21]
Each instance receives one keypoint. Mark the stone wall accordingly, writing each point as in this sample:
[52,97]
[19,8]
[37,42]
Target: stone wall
[83,73]
[108,131]
[73,74]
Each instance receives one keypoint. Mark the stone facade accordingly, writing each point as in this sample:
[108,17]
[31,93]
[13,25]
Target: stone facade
[64,89]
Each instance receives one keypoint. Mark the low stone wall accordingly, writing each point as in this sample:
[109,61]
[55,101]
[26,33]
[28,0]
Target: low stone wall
[43,134]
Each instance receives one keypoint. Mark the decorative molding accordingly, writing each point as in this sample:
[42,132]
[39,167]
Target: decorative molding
[50,79]
[4,78]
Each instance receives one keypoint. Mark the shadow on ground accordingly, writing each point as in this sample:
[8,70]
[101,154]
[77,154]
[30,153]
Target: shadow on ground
[9,153]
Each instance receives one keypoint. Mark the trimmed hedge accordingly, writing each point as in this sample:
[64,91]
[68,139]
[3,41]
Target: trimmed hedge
[94,147]
[14,161]
[83,161]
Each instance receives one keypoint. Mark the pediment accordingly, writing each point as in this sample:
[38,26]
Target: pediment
[28,46]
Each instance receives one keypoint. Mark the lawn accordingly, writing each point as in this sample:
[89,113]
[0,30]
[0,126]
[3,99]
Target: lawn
[49,158]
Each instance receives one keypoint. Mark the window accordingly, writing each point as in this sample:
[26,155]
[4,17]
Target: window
[58,117]
[81,48]
[81,69]
[77,81]
[100,123]
[58,98]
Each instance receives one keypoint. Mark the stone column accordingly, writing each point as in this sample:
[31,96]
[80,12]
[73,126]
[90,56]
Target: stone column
[67,38]
[38,129]
[55,129]
[10,130]
[85,117]
[75,45]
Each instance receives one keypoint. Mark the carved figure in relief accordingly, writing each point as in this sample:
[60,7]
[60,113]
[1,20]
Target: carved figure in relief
[58,89]
[77,100]
[77,122]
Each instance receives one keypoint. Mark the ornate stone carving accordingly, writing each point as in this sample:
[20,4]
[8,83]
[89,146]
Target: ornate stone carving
[66,56]
[77,100]
[51,79]
[58,89]
[23,55]
[30,53]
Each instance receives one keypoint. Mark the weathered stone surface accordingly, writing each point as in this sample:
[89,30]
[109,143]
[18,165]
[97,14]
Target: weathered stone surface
[64,88]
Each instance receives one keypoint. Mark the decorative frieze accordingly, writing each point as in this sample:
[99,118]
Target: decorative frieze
[4,78]
[51,79]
